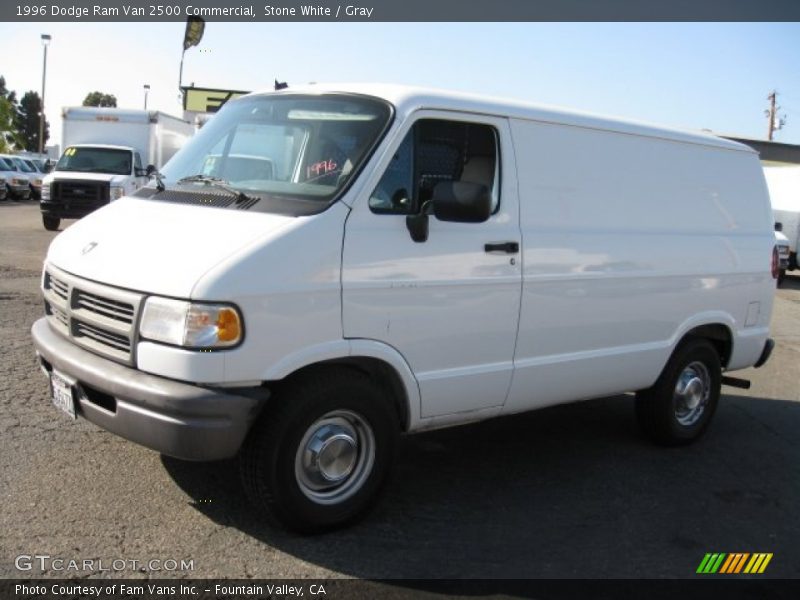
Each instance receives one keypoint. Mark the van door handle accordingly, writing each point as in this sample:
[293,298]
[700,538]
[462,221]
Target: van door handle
[507,247]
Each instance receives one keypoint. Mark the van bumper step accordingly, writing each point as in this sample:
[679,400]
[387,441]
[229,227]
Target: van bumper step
[736,382]
[768,346]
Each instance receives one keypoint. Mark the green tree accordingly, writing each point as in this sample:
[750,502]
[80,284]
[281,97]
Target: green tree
[6,93]
[100,99]
[9,137]
[27,121]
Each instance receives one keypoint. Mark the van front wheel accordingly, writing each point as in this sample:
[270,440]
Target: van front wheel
[51,223]
[678,408]
[319,454]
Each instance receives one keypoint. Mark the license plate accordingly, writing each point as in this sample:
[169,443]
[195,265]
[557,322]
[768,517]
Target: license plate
[61,387]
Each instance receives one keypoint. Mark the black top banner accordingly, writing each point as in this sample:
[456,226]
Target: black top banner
[401,10]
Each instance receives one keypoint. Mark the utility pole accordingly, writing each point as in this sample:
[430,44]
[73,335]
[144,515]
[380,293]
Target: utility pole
[45,42]
[775,122]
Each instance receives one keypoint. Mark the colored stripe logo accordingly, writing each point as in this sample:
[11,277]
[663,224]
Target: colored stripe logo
[734,563]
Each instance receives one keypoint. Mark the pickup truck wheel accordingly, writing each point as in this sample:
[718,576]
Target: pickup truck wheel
[678,408]
[51,223]
[319,454]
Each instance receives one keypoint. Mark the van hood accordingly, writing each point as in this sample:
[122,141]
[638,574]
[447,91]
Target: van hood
[157,247]
[79,175]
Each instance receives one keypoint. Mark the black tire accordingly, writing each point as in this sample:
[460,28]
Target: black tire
[665,415]
[322,402]
[51,223]
[781,276]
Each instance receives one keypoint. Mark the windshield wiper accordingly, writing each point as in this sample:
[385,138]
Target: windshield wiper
[218,183]
[154,174]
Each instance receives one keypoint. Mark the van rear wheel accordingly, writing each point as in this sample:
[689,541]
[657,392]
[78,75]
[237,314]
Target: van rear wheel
[51,223]
[319,454]
[678,408]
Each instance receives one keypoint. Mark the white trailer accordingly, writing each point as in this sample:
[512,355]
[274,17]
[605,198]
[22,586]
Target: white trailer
[155,135]
[784,195]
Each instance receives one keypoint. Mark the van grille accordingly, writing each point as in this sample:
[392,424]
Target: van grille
[81,193]
[98,317]
[112,309]
[104,341]
[59,288]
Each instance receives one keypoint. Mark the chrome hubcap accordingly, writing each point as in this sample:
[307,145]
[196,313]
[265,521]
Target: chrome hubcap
[335,457]
[692,392]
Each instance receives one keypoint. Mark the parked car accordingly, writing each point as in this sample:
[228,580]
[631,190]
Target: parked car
[411,259]
[33,175]
[3,188]
[784,192]
[36,165]
[17,183]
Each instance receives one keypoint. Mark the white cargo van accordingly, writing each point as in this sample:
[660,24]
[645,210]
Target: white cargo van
[784,193]
[321,269]
[106,153]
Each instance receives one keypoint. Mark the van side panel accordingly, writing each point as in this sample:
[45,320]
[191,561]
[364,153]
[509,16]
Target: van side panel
[628,240]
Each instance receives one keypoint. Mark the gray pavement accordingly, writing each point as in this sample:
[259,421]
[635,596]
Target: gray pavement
[570,491]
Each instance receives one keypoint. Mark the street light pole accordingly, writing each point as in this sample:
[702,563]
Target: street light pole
[146,90]
[45,42]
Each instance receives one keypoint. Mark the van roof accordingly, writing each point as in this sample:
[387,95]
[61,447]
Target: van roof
[407,99]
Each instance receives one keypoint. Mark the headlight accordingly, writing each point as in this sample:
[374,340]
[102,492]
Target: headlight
[17,181]
[117,192]
[45,192]
[190,325]
[37,182]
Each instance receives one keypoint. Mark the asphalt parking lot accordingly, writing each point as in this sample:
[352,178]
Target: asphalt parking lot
[566,492]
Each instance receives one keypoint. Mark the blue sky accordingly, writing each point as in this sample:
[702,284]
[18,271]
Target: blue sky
[691,75]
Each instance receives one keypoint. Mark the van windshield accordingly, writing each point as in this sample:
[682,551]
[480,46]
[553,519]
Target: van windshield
[95,160]
[285,146]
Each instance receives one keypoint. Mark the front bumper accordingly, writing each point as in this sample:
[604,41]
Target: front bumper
[55,208]
[765,353]
[20,191]
[178,419]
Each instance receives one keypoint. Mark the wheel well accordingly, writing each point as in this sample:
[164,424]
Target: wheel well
[719,335]
[381,374]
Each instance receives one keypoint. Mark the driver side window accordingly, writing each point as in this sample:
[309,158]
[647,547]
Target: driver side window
[433,151]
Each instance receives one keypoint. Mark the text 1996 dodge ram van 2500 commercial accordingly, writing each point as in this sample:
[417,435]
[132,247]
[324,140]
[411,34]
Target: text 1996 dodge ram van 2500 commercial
[321,269]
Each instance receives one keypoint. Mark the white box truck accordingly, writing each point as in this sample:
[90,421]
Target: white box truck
[321,269]
[106,153]
[784,195]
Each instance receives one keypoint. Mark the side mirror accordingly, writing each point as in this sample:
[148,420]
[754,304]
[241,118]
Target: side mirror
[150,170]
[417,225]
[461,202]
[778,226]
